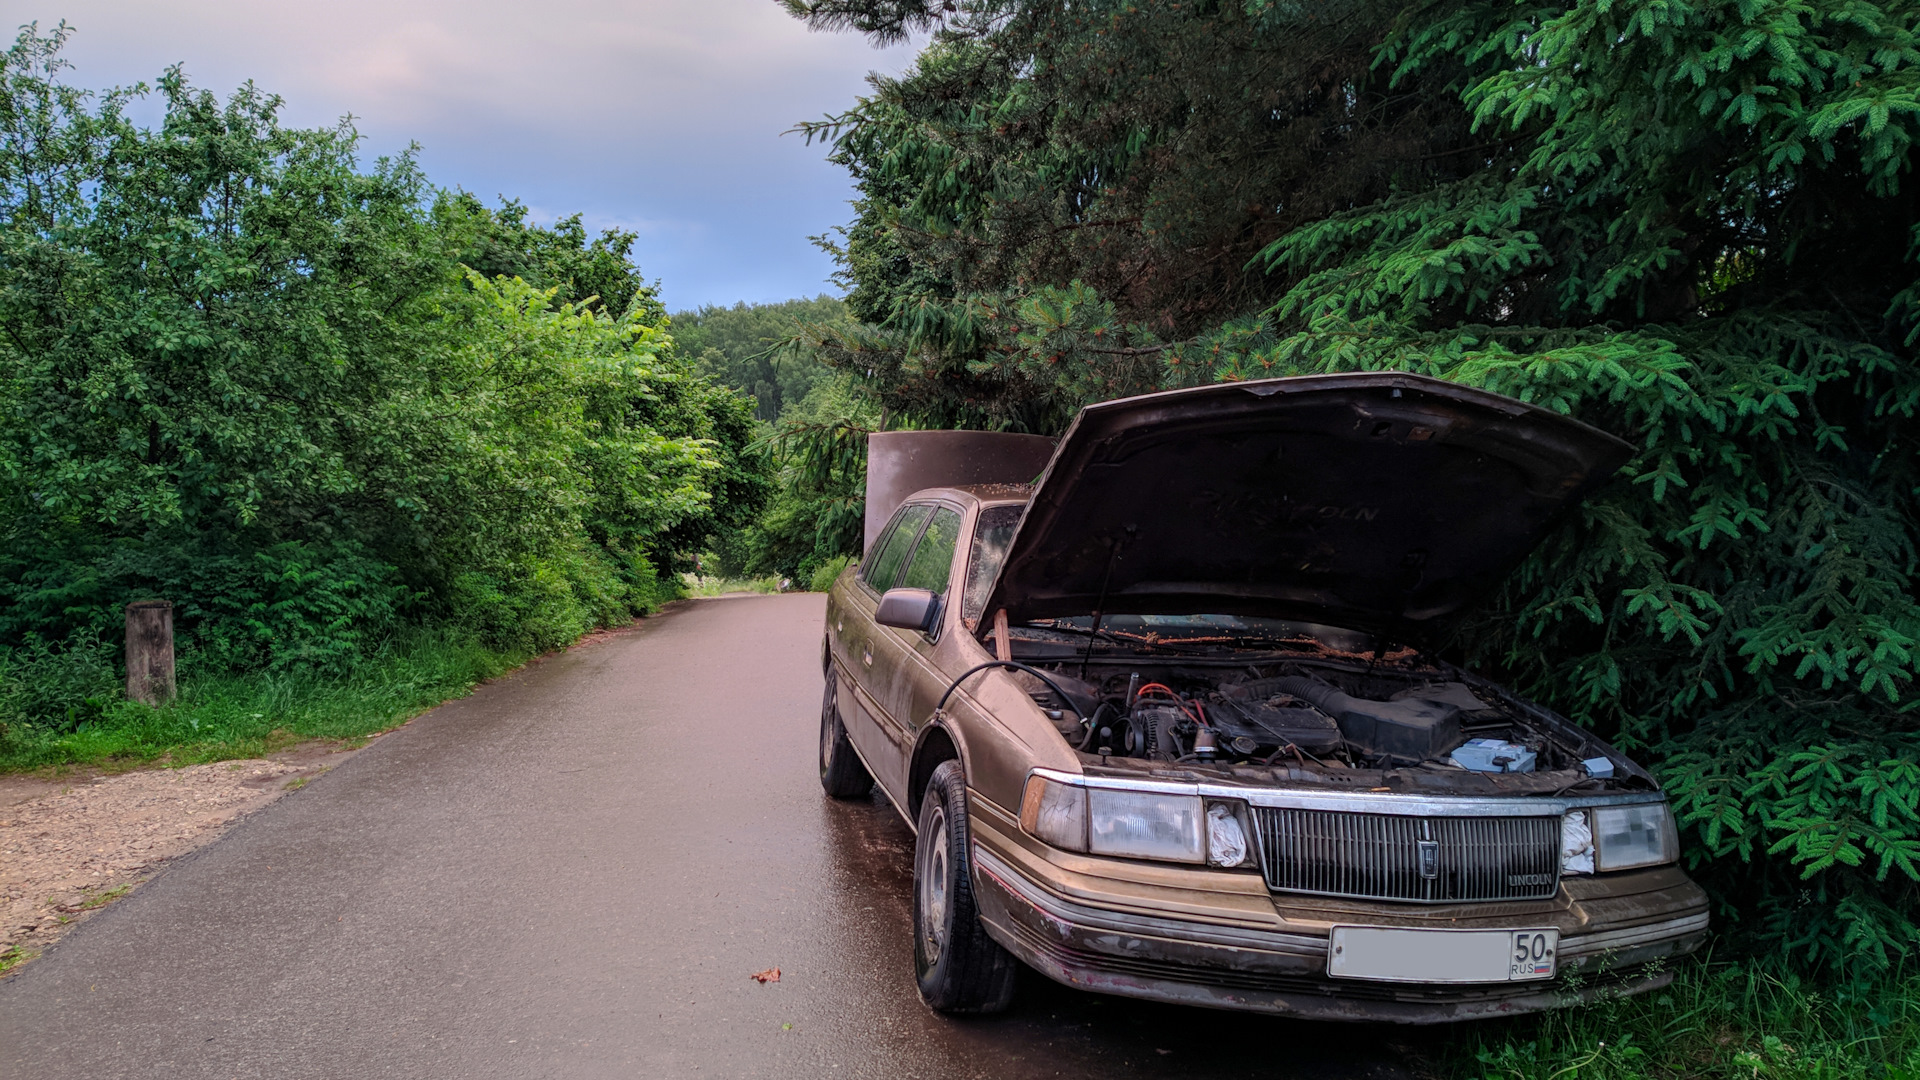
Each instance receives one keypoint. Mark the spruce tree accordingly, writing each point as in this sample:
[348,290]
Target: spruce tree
[1691,224]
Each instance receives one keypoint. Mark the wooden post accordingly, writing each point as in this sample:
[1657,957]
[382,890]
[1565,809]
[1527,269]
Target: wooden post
[150,652]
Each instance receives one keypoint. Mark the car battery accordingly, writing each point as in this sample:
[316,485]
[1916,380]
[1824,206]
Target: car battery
[1493,755]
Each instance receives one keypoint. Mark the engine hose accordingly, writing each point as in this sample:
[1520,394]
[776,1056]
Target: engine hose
[1093,726]
[1016,666]
[1328,699]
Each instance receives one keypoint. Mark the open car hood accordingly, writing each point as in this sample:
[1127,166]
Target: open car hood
[1383,502]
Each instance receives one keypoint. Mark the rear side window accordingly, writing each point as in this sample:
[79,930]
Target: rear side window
[891,551]
[991,535]
[932,561]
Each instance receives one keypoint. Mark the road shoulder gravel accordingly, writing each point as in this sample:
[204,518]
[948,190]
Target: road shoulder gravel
[71,845]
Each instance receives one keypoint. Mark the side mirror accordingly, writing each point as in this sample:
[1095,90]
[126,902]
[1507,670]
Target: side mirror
[909,609]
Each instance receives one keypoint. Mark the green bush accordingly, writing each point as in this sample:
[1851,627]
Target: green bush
[235,607]
[317,405]
[56,688]
[828,572]
[548,602]
[289,605]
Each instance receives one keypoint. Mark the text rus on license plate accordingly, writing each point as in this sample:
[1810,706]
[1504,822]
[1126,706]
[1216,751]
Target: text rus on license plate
[1391,954]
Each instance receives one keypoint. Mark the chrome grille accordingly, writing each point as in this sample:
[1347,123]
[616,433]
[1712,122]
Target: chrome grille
[1381,856]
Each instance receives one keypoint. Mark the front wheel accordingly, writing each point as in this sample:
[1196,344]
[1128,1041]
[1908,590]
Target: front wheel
[960,968]
[841,772]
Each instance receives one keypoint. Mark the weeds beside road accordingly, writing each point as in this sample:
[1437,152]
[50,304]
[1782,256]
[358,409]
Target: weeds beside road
[697,585]
[224,716]
[1718,1020]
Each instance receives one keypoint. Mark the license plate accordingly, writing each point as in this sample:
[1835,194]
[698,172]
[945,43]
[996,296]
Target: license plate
[1391,954]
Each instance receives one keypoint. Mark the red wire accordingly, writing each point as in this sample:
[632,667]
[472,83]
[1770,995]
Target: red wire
[1162,687]
[1177,700]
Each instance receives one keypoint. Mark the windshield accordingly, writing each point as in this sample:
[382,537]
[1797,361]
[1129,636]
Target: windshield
[991,535]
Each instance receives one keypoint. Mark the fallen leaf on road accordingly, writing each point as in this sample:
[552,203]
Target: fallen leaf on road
[767,976]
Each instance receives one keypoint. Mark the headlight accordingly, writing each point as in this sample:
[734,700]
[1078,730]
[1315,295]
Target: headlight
[1114,821]
[1145,825]
[1642,834]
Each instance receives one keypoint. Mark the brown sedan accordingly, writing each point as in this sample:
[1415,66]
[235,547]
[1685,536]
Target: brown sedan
[1171,723]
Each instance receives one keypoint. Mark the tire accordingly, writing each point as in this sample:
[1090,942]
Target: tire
[960,968]
[841,772]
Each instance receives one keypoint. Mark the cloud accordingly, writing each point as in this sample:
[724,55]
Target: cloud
[662,116]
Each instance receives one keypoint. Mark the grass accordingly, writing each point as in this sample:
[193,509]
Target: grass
[696,585]
[92,902]
[1717,1020]
[220,717]
[12,957]
[102,899]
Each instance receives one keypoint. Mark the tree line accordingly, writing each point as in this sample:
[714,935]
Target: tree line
[314,403]
[1691,224]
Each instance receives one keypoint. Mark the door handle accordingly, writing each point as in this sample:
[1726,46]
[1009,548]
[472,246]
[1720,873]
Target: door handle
[866,655]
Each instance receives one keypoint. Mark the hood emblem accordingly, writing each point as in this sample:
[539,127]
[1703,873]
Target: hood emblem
[1429,859]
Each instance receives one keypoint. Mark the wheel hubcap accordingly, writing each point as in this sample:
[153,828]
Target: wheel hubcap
[933,887]
[826,734]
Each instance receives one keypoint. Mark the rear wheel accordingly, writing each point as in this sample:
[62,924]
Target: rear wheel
[841,772]
[960,968]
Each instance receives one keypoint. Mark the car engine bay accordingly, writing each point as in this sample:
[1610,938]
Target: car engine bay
[1398,722]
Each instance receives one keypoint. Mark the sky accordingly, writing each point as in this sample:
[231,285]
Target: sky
[663,117]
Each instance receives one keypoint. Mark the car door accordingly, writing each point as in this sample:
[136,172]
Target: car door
[920,683]
[871,654]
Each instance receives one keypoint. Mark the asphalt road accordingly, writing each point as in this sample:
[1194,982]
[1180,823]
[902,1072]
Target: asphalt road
[575,873]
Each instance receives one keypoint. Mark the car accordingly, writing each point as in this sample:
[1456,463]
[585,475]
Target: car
[1174,720]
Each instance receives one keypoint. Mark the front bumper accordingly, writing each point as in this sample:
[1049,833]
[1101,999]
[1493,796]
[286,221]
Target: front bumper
[1223,967]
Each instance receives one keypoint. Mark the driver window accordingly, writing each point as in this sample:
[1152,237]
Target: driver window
[891,550]
[933,560]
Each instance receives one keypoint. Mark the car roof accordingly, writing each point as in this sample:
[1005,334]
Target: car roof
[984,494]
